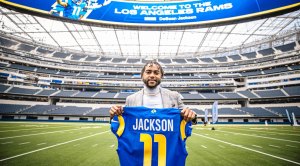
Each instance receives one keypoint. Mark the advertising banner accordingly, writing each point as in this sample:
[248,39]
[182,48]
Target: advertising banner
[169,13]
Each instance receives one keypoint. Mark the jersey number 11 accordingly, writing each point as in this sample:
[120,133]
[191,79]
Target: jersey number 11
[162,143]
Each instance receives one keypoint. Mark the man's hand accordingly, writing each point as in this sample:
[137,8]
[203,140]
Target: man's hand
[115,110]
[188,114]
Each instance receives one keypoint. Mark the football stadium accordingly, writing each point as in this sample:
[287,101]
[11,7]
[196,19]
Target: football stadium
[65,63]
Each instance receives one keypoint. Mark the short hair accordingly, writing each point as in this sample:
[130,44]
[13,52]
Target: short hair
[153,63]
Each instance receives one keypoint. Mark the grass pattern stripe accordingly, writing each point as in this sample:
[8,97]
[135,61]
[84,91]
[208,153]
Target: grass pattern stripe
[239,146]
[52,146]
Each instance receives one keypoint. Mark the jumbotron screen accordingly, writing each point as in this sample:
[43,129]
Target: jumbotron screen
[176,13]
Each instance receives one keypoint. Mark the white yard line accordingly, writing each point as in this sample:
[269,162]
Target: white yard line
[204,146]
[24,143]
[95,145]
[33,129]
[6,143]
[41,144]
[266,131]
[39,133]
[52,146]
[274,146]
[242,147]
[112,145]
[291,146]
[257,146]
[278,139]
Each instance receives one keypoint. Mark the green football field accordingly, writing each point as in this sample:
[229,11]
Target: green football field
[88,144]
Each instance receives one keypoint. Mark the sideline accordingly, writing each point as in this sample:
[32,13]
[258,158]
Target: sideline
[52,146]
[240,146]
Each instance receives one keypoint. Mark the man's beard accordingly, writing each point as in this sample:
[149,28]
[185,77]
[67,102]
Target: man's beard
[146,82]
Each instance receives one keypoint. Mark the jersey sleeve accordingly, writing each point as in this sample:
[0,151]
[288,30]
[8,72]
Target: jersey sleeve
[117,125]
[188,129]
[185,129]
[114,125]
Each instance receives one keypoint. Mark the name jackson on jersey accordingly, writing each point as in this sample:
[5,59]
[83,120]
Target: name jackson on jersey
[153,124]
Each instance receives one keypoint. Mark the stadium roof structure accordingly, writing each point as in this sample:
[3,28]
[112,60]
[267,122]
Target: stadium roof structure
[151,43]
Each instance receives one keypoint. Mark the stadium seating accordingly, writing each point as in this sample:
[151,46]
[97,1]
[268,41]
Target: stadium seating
[221,59]
[46,92]
[85,94]
[275,70]
[43,51]
[104,59]
[39,109]
[107,95]
[250,55]
[91,58]
[123,95]
[118,60]
[99,112]
[6,42]
[251,73]
[286,47]
[212,96]
[65,93]
[70,110]
[25,47]
[182,61]
[192,60]
[11,108]
[21,67]
[132,60]
[248,94]
[60,55]
[282,110]
[270,93]
[188,96]
[258,112]
[231,95]
[165,61]
[235,57]
[25,91]
[265,52]
[293,90]
[3,88]
[228,111]
[206,60]
[77,57]
[202,79]
[46,71]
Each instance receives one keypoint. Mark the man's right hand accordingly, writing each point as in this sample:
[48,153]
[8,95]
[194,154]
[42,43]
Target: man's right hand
[115,110]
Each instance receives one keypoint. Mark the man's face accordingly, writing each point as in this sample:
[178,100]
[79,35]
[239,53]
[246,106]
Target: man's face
[152,76]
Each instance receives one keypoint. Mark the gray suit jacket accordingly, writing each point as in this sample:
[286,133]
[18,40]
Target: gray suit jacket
[171,99]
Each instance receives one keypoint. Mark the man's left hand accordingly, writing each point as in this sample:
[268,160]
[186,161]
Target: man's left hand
[188,114]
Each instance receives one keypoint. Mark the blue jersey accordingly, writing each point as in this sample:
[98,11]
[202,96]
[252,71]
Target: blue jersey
[151,137]
[73,10]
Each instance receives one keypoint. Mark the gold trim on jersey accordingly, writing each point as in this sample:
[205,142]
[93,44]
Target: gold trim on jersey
[182,129]
[121,125]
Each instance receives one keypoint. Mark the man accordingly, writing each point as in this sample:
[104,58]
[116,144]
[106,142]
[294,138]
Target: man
[154,96]
[73,9]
